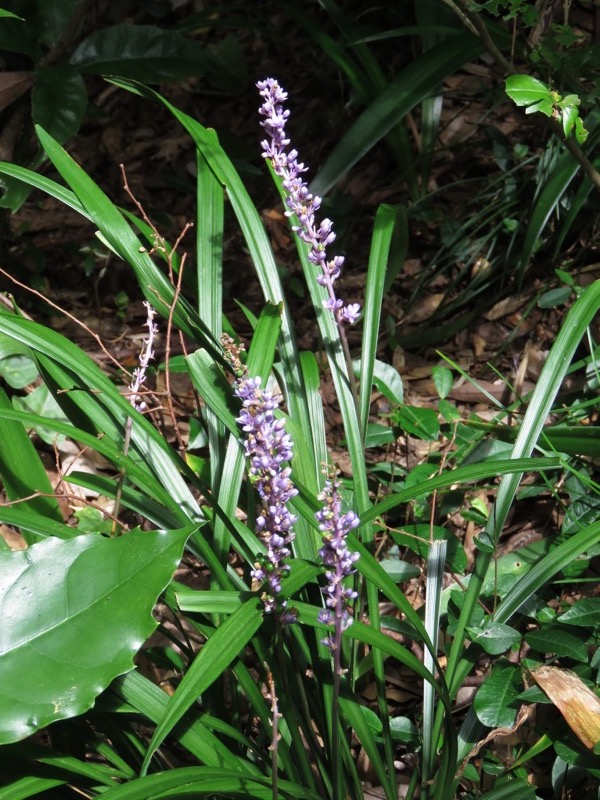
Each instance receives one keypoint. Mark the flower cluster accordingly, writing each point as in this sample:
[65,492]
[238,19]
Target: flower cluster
[298,199]
[338,559]
[138,377]
[269,448]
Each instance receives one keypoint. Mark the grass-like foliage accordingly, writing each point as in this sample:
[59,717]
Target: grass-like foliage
[279,667]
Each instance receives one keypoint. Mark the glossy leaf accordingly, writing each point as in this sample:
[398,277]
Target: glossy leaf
[524,90]
[496,701]
[59,101]
[494,637]
[140,52]
[74,614]
[584,613]
[558,641]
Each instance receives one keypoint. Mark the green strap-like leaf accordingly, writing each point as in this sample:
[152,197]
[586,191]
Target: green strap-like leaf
[216,655]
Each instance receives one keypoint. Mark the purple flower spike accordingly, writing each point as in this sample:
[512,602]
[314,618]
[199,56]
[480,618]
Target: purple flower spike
[338,560]
[268,447]
[299,200]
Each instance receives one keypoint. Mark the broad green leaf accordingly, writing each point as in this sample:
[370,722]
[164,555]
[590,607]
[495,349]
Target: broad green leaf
[59,101]
[558,641]
[585,613]
[54,17]
[525,90]
[496,702]
[222,647]
[74,614]
[420,422]
[494,637]
[140,52]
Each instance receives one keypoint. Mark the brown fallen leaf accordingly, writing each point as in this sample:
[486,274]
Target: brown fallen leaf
[579,705]
[13,85]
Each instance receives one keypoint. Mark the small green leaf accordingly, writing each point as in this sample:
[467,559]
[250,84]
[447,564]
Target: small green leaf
[555,639]
[442,378]
[555,297]
[420,422]
[496,703]
[494,637]
[404,730]
[386,379]
[584,613]
[525,90]
[18,371]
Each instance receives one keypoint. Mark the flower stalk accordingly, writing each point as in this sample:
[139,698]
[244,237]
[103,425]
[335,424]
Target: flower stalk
[269,450]
[304,206]
[339,562]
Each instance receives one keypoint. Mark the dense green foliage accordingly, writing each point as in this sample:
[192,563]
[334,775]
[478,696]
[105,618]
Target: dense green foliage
[253,707]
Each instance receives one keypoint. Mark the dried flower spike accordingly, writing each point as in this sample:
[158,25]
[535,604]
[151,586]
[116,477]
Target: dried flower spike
[138,377]
[338,559]
[299,200]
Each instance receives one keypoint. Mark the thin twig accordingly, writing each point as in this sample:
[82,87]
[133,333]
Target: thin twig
[61,310]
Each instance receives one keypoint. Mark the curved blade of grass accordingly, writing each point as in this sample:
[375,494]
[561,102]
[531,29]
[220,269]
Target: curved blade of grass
[210,204]
[40,526]
[119,235]
[256,240]
[542,400]
[367,78]
[192,782]
[136,471]
[48,186]
[152,702]
[384,226]
[407,90]
[23,474]
[474,472]
[545,569]
[549,198]
[99,401]
[213,659]
[358,725]
[29,787]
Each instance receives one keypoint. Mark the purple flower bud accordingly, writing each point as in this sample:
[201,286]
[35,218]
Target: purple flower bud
[335,555]
[299,200]
[268,447]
